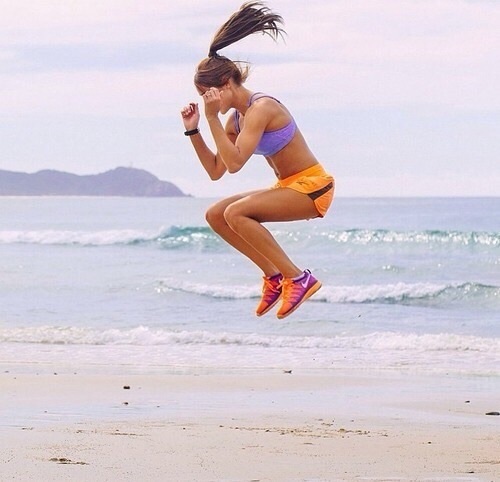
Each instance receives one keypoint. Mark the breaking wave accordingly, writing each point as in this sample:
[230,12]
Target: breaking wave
[398,293]
[144,336]
[203,237]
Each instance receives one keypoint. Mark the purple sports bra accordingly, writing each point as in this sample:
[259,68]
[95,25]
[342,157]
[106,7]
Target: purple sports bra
[271,141]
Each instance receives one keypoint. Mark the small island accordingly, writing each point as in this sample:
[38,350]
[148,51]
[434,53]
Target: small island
[122,181]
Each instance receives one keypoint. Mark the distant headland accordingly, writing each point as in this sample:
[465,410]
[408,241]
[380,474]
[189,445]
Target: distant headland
[122,181]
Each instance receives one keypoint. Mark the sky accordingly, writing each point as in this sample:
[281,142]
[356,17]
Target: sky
[394,97]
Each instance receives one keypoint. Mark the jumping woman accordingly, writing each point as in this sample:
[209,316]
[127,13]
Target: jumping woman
[260,124]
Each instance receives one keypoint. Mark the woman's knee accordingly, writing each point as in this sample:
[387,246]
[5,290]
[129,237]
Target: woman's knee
[215,215]
[233,214]
[227,211]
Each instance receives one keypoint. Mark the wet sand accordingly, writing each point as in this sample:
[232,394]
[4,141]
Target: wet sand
[267,425]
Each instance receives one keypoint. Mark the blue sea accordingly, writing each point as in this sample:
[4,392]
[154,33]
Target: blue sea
[144,285]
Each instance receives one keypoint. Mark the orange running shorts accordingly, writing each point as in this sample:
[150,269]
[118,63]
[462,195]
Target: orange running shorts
[316,183]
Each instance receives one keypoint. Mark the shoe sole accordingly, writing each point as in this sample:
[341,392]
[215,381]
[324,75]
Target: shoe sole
[313,289]
[269,308]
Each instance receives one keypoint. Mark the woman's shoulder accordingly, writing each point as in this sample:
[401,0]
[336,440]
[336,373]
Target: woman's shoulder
[257,96]
[270,108]
[265,104]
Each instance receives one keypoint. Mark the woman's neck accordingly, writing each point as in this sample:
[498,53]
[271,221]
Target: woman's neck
[241,96]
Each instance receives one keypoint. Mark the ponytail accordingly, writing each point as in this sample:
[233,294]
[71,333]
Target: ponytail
[252,17]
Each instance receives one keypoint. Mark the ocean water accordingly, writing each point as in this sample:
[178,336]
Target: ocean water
[143,285]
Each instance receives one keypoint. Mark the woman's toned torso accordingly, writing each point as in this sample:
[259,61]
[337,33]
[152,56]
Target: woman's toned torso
[295,156]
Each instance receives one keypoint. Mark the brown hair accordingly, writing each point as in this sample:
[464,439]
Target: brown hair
[252,17]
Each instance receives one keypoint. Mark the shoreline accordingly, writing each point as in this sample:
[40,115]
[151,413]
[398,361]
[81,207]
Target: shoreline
[249,425]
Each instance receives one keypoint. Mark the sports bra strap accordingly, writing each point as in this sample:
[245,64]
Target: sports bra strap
[260,95]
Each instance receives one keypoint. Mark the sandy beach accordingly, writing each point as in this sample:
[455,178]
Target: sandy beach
[248,425]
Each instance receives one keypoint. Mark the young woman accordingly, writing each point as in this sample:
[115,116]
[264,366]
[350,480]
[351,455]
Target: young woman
[260,124]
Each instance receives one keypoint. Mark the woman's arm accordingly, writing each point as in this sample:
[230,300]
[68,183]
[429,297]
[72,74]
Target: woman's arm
[234,152]
[211,162]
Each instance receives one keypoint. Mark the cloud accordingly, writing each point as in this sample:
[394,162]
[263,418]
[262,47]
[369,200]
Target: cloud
[106,22]
[337,54]
[54,58]
[346,69]
[394,53]
[136,93]
[406,185]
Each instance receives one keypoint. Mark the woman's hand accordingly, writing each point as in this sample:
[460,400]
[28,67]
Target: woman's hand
[190,116]
[212,102]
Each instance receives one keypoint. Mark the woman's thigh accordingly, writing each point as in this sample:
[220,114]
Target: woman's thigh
[273,205]
[218,208]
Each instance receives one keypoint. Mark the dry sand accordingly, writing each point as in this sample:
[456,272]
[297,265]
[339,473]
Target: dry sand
[248,426]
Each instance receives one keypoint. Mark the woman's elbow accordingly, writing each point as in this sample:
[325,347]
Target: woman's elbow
[233,169]
[234,163]
[215,176]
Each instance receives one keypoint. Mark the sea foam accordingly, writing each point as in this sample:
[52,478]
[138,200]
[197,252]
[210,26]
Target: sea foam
[397,293]
[145,336]
[203,236]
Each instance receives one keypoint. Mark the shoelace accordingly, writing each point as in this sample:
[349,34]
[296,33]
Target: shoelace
[291,289]
[269,284]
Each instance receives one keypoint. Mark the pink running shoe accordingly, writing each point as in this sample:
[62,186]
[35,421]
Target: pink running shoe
[271,293]
[295,292]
